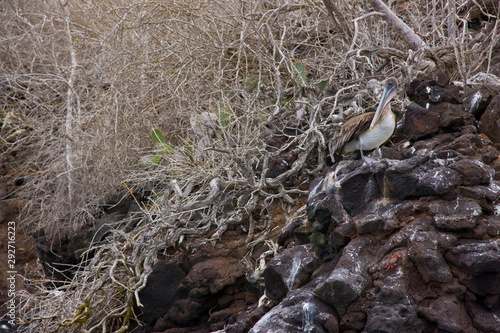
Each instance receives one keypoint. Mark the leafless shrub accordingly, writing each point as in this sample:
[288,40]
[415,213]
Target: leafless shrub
[84,82]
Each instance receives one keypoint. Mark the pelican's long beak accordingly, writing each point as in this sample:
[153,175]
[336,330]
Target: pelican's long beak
[390,91]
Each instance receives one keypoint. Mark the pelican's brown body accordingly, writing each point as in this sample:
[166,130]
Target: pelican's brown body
[370,130]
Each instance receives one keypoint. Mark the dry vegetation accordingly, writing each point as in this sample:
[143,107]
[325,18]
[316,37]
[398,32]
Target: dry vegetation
[83,82]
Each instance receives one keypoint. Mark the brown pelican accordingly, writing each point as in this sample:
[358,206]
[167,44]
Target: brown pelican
[369,130]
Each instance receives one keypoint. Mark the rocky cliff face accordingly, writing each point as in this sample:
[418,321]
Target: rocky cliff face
[409,243]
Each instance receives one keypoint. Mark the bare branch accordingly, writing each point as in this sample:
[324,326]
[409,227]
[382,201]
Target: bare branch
[339,19]
[406,32]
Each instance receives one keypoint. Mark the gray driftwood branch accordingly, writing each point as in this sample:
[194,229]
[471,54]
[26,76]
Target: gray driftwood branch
[413,40]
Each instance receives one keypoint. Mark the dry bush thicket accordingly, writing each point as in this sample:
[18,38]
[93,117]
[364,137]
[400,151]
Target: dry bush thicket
[84,82]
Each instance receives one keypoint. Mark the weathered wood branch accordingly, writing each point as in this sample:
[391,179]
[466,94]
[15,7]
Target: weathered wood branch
[413,40]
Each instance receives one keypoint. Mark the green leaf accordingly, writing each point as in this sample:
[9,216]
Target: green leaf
[190,149]
[321,84]
[163,148]
[150,160]
[157,135]
[225,116]
[301,70]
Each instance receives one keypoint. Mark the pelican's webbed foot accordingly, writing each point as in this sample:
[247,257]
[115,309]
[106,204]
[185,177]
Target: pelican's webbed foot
[366,159]
[378,153]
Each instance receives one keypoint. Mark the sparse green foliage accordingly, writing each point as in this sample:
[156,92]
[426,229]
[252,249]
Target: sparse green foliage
[150,160]
[157,136]
[301,77]
[161,145]
[224,116]
[161,148]
[321,85]
[189,149]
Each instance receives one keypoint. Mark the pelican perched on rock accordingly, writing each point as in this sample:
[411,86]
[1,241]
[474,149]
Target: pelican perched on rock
[369,130]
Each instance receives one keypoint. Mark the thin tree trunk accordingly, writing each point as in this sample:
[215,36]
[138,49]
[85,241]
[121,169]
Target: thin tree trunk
[70,155]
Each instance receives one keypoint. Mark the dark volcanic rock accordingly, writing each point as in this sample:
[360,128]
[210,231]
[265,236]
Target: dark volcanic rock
[448,94]
[442,79]
[450,314]
[481,263]
[414,232]
[451,215]
[160,290]
[426,253]
[451,115]
[477,257]
[392,306]
[490,120]
[368,223]
[398,317]
[362,187]
[289,270]
[473,172]
[350,277]
[420,122]
[421,176]
[341,288]
[485,319]
[477,101]
[435,180]
[300,311]
[438,90]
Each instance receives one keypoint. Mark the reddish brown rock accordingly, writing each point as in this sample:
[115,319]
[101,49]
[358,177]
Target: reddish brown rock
[200,290]
[473,172]
[420,122]
[451,115]
[212,275]
[442,79]
[490,120]
[448,94]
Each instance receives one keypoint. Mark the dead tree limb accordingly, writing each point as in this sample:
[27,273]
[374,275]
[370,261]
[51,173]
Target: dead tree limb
[413,40]
[70,154]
